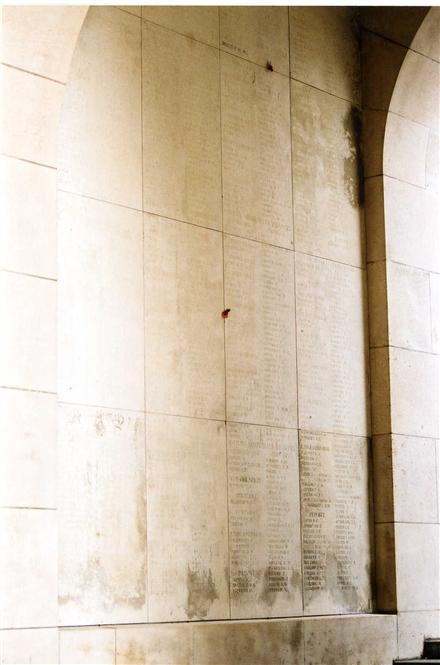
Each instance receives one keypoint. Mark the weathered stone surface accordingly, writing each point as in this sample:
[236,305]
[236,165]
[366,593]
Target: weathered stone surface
[187,519]
[102,525]
[154,645]
[405,149]
[327,195]
[200,23]
[260,333]
[264,521]
[257,190]
[335,519]
[87,646]
[181,127]
[100,133]
[33,645]
[184,338]
[417,544]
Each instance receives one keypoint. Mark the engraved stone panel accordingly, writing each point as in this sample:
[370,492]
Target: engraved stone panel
[264,521]
[260,334]
[87,646]
[332,358]
[324,50]
[257,196]
[34,645]
[102,516]
[184,338]
[200,23]
[100,133]
[100,295]
[187,519]
[258,34]
[181,127]
[335,518]
[169,644]
[328,221]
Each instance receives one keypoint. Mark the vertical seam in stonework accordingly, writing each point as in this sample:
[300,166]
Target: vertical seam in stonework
[296,328]
[147,571]
[224,305]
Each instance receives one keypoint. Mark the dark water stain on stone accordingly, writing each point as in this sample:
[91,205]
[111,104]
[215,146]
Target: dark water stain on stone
[274,581]
[295,636]
[201,593]
[353,163]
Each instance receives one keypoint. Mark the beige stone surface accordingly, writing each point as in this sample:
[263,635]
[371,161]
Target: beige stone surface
[100,303]
[397,24]
[413,627]
[417,549]
[328,221]
[380,390]
[385,567]
[414,96]
[374,218]
[414,412]
[409,307]
[100,145]
[30,115]
[414,210]
[131,9]
[28,568]
[335,519]
[348,640]
[200,23]
[41,39]
[426,41]
[382,470]
[434,287]
[187,519]
[28,350]
[257,189]
[378,297]
[88,646]
[258,34]
[102,516]
[384,59]
[264,521]
[181,127]
[184,338]
[405,148]
[28,457]
[332,364]
[324,49]
[28,208]
[260,334]
[415,481]
[154,645]
[250,643]
[34,645]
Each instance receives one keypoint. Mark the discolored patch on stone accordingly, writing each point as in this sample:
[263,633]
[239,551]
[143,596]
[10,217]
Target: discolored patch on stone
[201,593]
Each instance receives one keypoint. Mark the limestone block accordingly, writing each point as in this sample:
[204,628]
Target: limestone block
[249,643]
[409,306]
[382,471]
[397,24]
[102,516]
[378,299]
[33,645]
[30,114]
[385,567]
[28,315]
[374,218]
[181,127]
[332,365]
[432,163]
[415,481]
[187,519]
[326,188]
[87,646]
[28,568]
[348,640]
[413,231]
[426,39]
[28,228]
[28,451]
[131,9]
[324,49]
[414,96]
[41,39]
[373,133]
[417,549]
[380,390]
[260,334]
[100,282]
[200,23]
[258,34]
[154,645]
[257,188]
[335,523]
[184,338]
[434,286]
[383,58]
[413,627]
[100,133]
[405,147]
[414,412]
[264,521]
